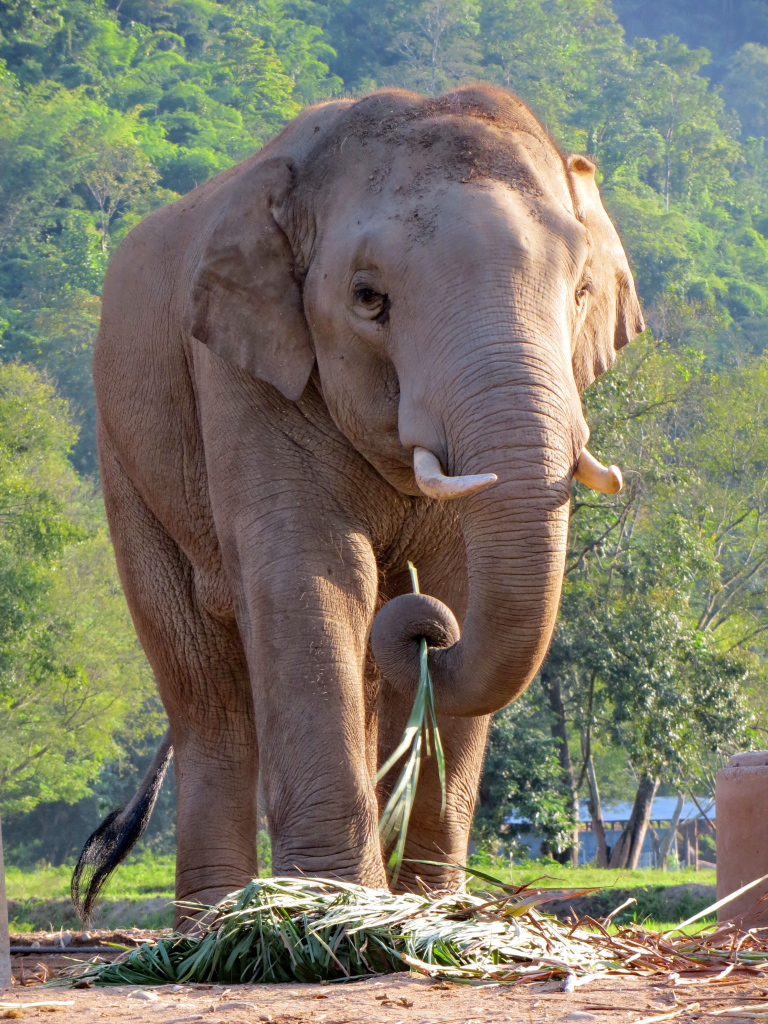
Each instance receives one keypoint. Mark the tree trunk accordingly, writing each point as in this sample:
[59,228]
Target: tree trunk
[655,844]
[596,813]
[551,685]
[626,852]
[691,842]
[671,833]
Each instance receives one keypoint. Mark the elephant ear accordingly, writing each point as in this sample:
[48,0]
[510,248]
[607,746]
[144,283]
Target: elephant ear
[613,315]
[246,303]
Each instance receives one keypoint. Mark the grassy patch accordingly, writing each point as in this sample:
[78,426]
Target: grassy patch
[587,877]
[664,926]
[41,897]
[138,878]
[147,875]
[662,898]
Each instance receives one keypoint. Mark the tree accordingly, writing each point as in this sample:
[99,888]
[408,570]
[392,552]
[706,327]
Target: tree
[436,43]
[556,56]
[71,671]
[633,660]
[103,119]
[522,776]
[114,177]
[722,26]
[745,86]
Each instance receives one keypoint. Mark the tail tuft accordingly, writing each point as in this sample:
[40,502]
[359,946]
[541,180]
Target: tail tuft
[116,836]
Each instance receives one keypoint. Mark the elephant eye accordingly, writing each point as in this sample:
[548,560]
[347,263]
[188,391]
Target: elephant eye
[582,292]
[367,296]
[375,304]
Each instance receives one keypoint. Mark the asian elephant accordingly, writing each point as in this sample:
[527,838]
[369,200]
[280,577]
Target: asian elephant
[363,345]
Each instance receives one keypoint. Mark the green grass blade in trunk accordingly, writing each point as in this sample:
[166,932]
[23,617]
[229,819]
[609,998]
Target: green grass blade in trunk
[421,737]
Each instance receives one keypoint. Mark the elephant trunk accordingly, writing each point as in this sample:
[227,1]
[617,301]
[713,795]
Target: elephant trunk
[530,433]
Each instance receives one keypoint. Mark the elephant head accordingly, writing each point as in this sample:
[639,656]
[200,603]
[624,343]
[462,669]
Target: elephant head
[457,283]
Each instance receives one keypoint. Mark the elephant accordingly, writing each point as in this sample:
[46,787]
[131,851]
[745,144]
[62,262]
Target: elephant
[363,345]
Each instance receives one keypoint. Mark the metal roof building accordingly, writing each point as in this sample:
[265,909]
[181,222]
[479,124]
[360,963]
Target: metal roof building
[616,816]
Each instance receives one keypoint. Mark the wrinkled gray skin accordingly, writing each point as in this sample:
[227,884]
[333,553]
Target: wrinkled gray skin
[387,273]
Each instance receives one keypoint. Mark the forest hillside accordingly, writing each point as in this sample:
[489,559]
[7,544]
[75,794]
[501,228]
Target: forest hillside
[112,108]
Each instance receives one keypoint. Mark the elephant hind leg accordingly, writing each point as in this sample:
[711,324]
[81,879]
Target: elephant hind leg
[197,656]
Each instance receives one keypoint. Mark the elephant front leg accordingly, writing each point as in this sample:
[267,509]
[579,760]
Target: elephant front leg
[308,625]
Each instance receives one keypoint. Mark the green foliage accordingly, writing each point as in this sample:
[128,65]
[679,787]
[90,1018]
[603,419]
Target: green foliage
[435,41]
[721,27]
[522,775]
[310,929]
[105,115]
[55,832]
[264,853]
[744,87]
[70,667]
[421,737]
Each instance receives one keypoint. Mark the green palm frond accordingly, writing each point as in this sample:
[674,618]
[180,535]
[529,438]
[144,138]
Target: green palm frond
[420,737]
[313,929]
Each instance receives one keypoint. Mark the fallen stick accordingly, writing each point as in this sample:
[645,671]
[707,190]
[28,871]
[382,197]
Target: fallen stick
[45,1002]
[68,950]
[178,1020]
[668,1016]
[616,1009]
[722,997]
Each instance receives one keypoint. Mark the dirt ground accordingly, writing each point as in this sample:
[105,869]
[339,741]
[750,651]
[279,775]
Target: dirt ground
[399,1000]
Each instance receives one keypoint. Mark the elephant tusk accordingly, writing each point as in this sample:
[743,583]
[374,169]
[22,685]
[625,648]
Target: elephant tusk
[595,475]
[435,484]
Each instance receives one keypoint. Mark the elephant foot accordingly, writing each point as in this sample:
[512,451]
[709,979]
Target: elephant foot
[195,906]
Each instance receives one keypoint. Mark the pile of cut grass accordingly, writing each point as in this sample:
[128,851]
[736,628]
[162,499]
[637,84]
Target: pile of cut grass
[314,929]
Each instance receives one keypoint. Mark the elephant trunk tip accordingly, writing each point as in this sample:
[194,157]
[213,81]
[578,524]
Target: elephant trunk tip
[397,630]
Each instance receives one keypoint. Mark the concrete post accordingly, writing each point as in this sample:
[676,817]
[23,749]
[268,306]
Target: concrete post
[6,978]
[742,834]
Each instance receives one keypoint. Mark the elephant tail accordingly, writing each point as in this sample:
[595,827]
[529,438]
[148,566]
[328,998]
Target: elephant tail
[116,836]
